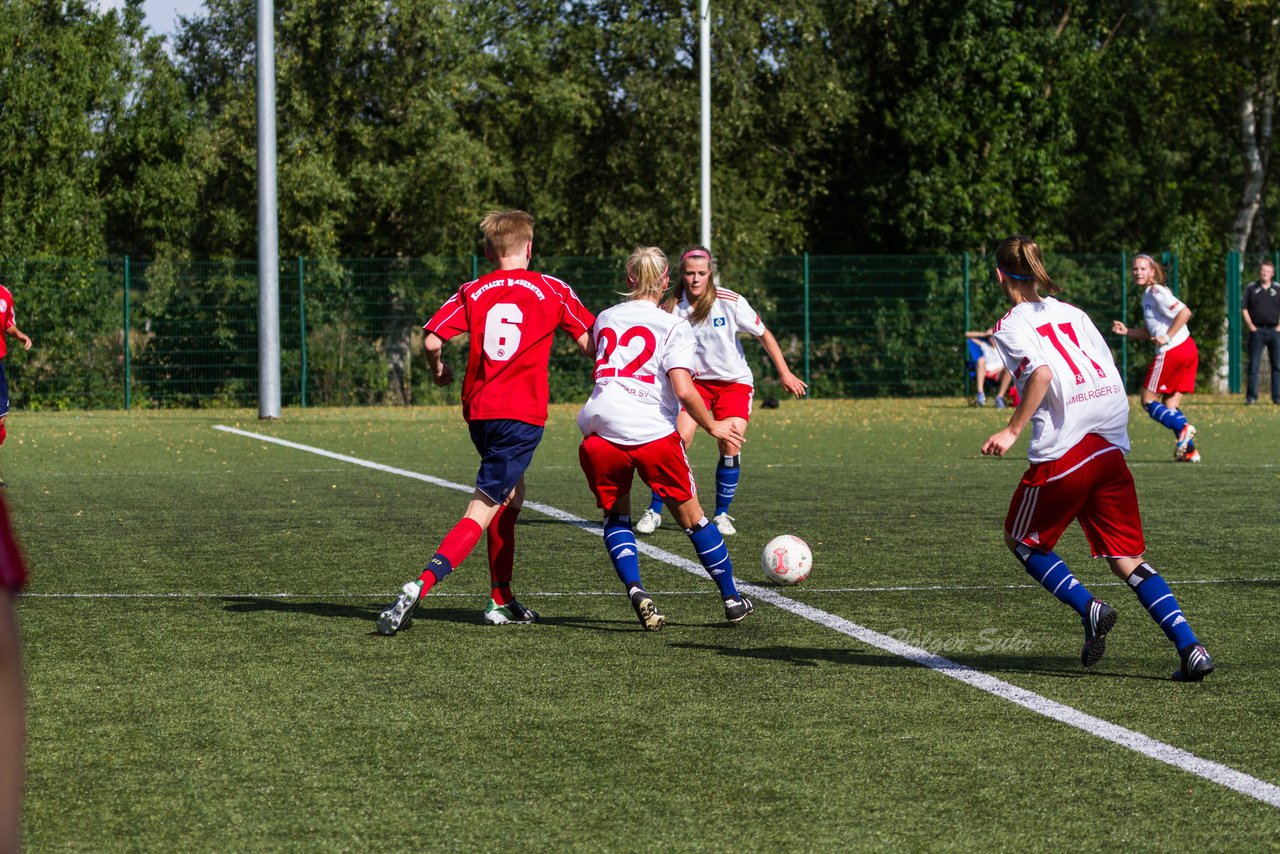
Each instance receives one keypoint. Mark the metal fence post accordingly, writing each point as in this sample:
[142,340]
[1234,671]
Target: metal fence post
[1124,315]
[806,318]
[964,353]
[302,325]
[128,366]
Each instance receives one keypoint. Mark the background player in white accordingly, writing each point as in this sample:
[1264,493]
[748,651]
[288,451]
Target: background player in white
[1172,372]
[1073,397]
[644,372]
[721,374]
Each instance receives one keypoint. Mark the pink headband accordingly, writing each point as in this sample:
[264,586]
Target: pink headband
[695,253]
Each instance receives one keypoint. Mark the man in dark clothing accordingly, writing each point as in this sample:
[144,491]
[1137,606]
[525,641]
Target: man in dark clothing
[1262,317]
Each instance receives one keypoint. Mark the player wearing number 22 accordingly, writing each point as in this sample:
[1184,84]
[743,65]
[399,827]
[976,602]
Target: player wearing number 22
[645,359]
[512,315]
[1073,397]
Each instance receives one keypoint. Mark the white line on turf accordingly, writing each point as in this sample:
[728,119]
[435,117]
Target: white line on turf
[1216,772]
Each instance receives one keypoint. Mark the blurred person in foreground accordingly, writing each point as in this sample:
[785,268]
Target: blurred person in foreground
[13,577]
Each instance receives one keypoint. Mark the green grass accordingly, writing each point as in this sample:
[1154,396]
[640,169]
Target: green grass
[211,715]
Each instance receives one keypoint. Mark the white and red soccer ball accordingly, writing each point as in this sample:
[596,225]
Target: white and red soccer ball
[786,560]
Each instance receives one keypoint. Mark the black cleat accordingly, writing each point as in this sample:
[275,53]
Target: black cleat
[1196,664]
[736,608]
[646,610]
[1100,619]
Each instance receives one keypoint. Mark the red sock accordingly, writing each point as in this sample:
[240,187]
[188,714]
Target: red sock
[455,547]
[3,433]
[502,554]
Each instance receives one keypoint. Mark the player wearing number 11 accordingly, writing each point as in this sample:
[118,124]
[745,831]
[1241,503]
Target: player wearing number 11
[1073,397]
[512,315]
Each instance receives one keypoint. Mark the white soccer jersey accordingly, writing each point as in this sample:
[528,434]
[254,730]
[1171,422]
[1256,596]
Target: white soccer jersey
[1159,309]
[633,401]
[720,355]
[1086,394]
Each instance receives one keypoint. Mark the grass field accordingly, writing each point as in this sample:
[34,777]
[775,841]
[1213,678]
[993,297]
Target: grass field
[203,672]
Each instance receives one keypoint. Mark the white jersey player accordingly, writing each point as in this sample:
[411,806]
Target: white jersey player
[723,378]
[1172,372]
[1073,398]
[644,371]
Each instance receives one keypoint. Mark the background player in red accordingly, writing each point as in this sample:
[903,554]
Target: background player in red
[1072,395]
[1172,372]
[13,577]
[721,374]
[10,327]
[512,315]
[644,372]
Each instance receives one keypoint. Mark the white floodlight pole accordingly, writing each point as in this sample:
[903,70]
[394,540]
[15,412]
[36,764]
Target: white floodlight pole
[704,15]
[268,236]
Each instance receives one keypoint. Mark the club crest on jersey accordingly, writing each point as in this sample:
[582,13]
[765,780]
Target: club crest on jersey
[718,321]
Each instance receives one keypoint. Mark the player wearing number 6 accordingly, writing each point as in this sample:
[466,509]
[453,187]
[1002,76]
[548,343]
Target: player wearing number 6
[512,315]
[1073,397]
[645,360]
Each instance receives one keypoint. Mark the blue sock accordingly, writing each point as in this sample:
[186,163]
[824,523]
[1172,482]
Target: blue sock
[714,555]
[655,503]
[1171,418]
[1154,594]
[1052,573]
[728,471]
[620,540]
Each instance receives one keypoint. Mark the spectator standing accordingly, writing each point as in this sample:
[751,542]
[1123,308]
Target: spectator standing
[1262,318]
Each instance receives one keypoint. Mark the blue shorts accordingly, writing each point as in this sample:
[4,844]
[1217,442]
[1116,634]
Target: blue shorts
[4,391]
[506,448]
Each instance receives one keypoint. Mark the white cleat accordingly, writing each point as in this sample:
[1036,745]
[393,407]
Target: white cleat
[400,612]
[724,523]
[648,523]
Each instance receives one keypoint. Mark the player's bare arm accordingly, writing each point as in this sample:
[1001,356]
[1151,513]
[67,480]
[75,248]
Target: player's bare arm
[1174,328]
[682,385]
[790,381]
[586,345]
[441,373]
[1138,333]
[1032,394]
[21,336]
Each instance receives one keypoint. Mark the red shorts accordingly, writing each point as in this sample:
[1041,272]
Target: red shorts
[725,399]
[1091,483]
[661,463]
[1174,370]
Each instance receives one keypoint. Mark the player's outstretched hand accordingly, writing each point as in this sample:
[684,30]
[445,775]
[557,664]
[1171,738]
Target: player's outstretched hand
[999,443]
[728,431]
[794,384]
[1119,328]
[446,375]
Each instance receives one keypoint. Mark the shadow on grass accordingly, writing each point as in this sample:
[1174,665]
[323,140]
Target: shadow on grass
[807,656]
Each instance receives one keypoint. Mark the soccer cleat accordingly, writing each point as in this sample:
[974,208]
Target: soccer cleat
[1193,456]
[504,615]
[1100,619]
[736,608]
[1000,404]
[1186,443]
[646,611]
[1196,664]
[648,523]
[400,613]
[980,400]
[724,524]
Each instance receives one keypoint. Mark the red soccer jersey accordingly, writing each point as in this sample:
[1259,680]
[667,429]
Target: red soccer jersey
[6,319]
[512,316]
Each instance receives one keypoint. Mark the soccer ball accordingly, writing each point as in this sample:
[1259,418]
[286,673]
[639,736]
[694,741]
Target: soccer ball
[786,560]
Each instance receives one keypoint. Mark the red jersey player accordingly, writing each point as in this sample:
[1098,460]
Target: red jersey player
[645,359]
[512,315]
[8,326]
[1072,395]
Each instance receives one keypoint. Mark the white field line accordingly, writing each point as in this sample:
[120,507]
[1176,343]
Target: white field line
[1216,772]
